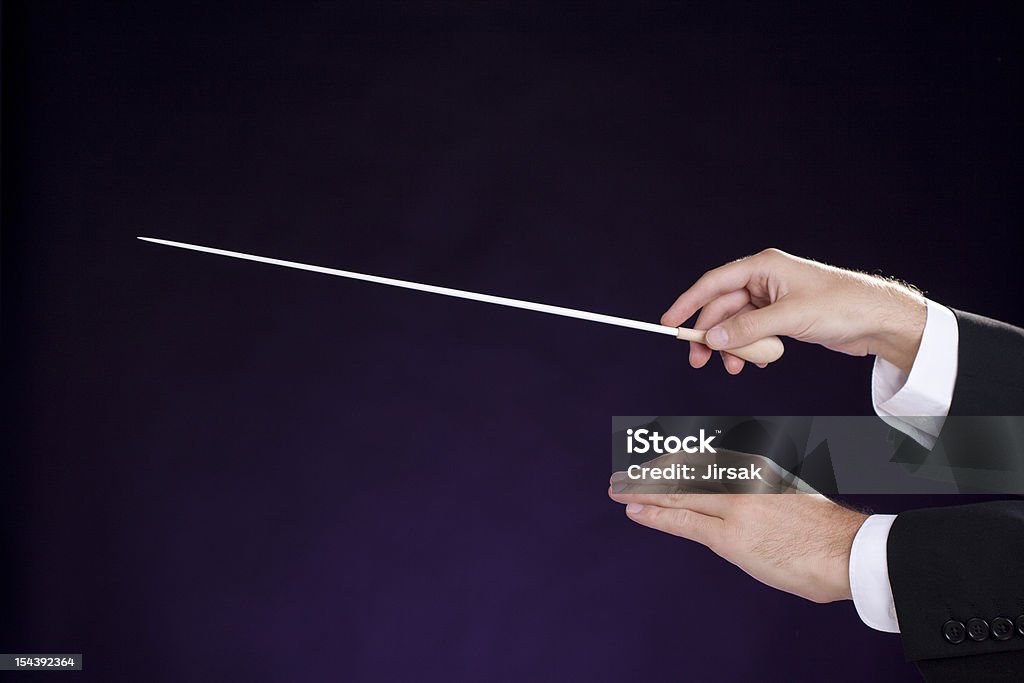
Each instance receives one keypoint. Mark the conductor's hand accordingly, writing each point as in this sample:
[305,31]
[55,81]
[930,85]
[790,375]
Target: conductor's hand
[799,543]
[775,293]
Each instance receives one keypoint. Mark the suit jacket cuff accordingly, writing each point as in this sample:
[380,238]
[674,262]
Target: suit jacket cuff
[956,564]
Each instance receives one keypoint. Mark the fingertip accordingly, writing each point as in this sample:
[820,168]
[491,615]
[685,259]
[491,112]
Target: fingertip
[733,365]
[634,509]
[680,310]
[699,355]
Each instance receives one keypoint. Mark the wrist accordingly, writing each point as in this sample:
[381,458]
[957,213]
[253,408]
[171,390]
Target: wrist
[846,524]
[900,328]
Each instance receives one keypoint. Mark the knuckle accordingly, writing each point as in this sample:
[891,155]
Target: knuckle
[682,518]
[746,325]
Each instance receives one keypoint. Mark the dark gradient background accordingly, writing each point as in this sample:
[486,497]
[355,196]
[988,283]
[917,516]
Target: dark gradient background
[216,470]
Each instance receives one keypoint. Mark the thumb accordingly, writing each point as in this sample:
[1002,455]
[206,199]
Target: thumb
[746,328]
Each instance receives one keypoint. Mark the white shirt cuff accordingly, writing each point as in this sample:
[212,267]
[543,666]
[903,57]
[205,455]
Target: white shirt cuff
[869,574]
[917,404]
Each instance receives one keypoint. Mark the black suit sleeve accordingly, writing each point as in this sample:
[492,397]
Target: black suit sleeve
[957,573]
[950,565]
[990,367]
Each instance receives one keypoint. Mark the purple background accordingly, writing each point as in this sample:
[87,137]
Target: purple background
[216,470]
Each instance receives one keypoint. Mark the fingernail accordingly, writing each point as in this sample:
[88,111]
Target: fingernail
[634,508]
[717,337]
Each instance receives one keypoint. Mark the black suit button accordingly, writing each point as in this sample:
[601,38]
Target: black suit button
[954,631]
[1002,628]
[977,629]
[1020,624]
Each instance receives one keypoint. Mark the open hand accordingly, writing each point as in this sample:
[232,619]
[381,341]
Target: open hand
[799,542]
